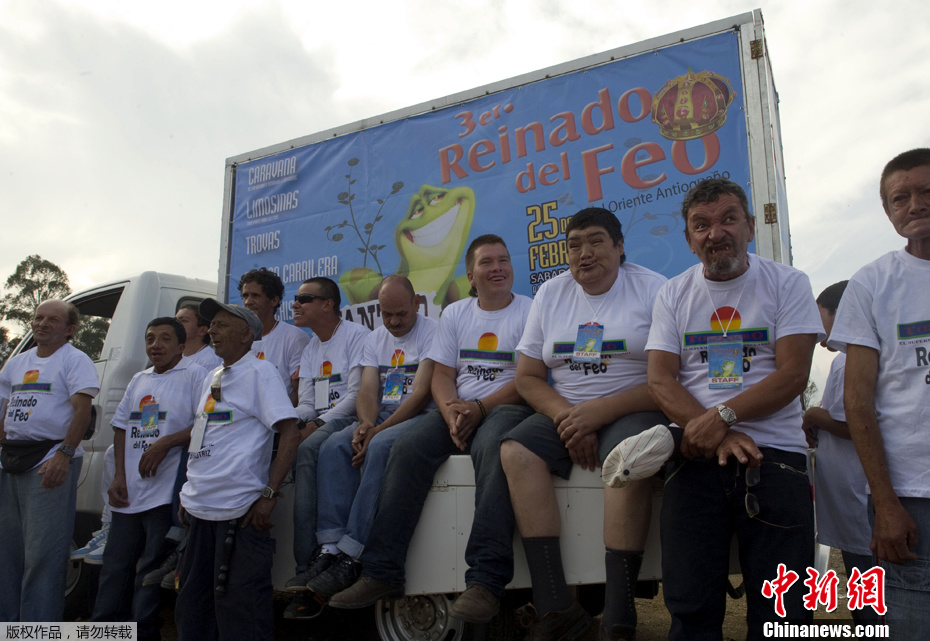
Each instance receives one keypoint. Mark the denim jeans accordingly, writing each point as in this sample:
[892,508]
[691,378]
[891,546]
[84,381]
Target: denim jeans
[136,545]
[245,611]
[347,496]
[305,507]
[703,506]
[413,462]
[907,585]
[36,525]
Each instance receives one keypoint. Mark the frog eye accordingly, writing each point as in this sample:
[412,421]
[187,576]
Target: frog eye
[437,199]
[416,213]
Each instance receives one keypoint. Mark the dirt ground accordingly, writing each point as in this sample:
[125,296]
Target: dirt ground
[336,625]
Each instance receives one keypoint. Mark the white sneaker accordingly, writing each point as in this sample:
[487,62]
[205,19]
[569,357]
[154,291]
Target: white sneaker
[95,556]
[638,457]
[98,539]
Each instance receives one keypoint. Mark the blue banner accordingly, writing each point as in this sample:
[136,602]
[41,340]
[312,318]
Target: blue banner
[408,196]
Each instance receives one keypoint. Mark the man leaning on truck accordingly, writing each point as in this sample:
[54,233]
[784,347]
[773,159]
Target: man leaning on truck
[48,391]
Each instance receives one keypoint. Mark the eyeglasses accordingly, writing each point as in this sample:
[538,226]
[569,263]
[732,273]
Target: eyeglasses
[753,476]
[216,388]
[306,298]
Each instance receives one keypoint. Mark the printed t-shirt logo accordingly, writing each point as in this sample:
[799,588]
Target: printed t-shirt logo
[397,358]
[31,383]
[726,319]
[910,331]
[326,368]
[487,351]
[146,401]
[31,376]
[260,356]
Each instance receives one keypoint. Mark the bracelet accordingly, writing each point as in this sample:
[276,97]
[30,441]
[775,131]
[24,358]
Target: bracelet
[484,412]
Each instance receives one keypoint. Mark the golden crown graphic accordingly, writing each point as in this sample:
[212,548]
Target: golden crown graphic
[692,105]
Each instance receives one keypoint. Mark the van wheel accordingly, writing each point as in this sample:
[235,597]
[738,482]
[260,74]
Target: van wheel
[81,582]
[422,617]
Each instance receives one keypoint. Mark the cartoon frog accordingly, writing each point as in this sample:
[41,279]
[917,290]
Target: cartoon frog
[726,369]
[430,240]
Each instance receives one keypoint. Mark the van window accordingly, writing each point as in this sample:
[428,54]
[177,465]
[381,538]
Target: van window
[96,312]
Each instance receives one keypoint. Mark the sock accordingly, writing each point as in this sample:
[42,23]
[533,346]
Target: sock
[330,548]
[544,558]
[622,573]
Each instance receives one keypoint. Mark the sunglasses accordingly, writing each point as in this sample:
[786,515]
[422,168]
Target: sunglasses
[216,387]
[306,298]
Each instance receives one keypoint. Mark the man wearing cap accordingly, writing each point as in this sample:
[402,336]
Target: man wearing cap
[49,389]
[225,588]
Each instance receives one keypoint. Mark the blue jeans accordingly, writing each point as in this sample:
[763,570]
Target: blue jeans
[703,506]
[305,464]
[907,585]
[348,497]
[35,541]
[416,456]
[245,612]
[136,545]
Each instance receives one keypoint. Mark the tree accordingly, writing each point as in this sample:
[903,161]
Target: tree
[807,398]
[7,345]
[35,280]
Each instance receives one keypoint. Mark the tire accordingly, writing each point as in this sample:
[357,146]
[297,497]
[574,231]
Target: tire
[81,584]
[423,617]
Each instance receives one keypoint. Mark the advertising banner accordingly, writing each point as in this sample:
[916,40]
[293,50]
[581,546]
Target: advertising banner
[408,196]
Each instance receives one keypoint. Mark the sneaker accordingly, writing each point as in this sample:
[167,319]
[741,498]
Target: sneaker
[167,567]
[303,606]
[476,605]
[617,633]
[573,624]
[364,592]
[95,556]
[638,457]
[98,539]
[341,575]
[320,563]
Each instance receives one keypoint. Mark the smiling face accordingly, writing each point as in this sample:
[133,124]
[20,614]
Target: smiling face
[310,313]
[593,258]
[908,203]
[50,327]
[436,225]
[719,234]
[231,336]
[492,273]
[162,347]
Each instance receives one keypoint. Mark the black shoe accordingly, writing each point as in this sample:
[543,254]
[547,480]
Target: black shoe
[341,575]
[303,606]
[573,624]
[168,566]
[321,562]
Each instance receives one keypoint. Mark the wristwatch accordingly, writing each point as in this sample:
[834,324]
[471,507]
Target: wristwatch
[268,493]
[67,450]
[727,414]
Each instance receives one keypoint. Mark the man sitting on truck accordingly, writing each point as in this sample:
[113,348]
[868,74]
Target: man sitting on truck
[586,332]
[473,387]
[395,390]
[225,586]
[281,343]
[47,393]
[150,425]
[729,353]
[330,376]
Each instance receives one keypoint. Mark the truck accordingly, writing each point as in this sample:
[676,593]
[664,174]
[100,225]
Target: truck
[631,130]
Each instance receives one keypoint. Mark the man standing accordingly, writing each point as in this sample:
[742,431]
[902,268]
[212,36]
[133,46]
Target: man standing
[729,353]
[48,392]
[280,343]
[586,332]
[883,324]
[330,376]
[395,390]
[473,386]
[225,586]
[150,425]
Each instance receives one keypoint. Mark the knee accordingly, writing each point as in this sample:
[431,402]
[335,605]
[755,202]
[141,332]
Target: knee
[516,459]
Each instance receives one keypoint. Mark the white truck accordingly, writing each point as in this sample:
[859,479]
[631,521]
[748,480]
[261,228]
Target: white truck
[629,129]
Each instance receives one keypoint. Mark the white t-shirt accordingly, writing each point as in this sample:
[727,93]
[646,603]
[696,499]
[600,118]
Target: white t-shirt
[206,358]
[385,351]
[768,301]
[480,345]
[338,360]
[231,468]
[40,390]
[625,311]
[176,395]
[282,347]
[886,306]
[842,513]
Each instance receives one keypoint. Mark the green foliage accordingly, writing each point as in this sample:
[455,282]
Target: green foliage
[34,280]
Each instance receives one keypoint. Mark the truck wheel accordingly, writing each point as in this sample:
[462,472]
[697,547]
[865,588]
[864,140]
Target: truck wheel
[423,617]
[81,583]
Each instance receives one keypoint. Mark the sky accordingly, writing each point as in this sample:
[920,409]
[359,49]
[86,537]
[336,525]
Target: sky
[116,117]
